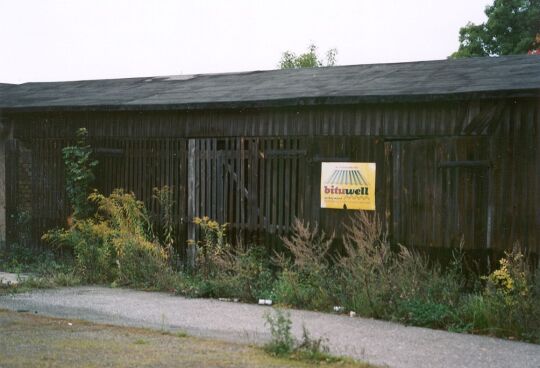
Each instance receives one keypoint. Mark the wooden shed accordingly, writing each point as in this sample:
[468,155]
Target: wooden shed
[455,143]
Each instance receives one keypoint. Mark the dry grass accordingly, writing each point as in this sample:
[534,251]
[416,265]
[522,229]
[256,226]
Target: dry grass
[28,340]
[307,245]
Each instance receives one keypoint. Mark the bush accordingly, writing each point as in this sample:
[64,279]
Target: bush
[280,324]
[248,278]
[164,197]
[116,244]
[94,252]
[314,350]
[252,273]
[139,262]
[40,263]
[284,344]
[425,313]
[403,285]
[304,289]
[306,279]
[227,271]
[213,250]
[91,244]
[366,267]
[509,304]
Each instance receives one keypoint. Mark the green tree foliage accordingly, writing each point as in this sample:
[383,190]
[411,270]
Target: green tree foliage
[309,59]
[79,174]
[513,27]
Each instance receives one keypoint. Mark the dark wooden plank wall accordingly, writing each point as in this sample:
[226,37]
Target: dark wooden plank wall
[140,165]
[439,191]
[50,207]
[423,152]
[136,165]
[388,120]
[514,196]
[12,198]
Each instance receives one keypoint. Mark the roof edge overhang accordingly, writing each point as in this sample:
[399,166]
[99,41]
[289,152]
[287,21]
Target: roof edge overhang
[297,102]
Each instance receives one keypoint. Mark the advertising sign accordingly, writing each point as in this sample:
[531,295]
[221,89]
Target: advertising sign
[348,185]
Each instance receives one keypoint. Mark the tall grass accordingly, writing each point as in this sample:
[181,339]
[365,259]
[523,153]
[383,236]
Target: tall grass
[306,278]
[374,280]
[366,275]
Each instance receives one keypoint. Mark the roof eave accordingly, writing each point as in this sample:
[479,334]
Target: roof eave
[287,102]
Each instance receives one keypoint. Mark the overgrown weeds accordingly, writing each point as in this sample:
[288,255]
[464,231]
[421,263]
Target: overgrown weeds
[379,282]
[509,304]
[36,268]
[306,278]
[226,271]
[283,343]
[164,196]
[280,324]
[374,280]
[116,244]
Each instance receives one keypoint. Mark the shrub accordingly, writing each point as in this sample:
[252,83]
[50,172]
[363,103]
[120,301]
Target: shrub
[283,343]
[378,282]
[213,251]
[139,262]
[123,214]
[308,246]
[40,263]
[166,235]
[425,313]
[139,259]
[252,273]
[314,349]
[91,243]
[306,279]
[509,304]
[304,289]
[116,244]
[366,267]
[280,324]
[16,258]
[226,271]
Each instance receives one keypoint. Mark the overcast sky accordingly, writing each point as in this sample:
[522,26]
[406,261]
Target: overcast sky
[46,40]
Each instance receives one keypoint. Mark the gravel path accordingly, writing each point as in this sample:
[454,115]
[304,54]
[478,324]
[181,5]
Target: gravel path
[374,341]
[11,278]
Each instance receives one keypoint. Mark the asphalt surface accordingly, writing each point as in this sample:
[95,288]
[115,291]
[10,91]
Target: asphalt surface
[377,342]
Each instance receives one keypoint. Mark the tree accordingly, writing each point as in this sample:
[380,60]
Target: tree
[289,60]
[513,27]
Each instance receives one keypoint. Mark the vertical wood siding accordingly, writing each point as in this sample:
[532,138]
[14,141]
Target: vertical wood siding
[445,171]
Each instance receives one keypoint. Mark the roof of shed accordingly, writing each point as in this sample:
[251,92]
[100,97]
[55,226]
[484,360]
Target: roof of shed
[443,79]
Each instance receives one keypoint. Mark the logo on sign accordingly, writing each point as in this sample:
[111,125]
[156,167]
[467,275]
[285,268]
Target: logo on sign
[348,185]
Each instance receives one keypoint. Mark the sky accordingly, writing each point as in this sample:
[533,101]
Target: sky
[57,40]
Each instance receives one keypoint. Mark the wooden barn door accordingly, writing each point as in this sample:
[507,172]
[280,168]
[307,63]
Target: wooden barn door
[252,184]
[439,191]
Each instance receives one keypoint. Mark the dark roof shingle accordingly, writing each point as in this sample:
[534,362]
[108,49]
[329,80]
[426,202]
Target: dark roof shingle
[339,84]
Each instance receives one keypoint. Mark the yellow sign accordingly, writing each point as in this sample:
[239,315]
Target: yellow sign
[348,185]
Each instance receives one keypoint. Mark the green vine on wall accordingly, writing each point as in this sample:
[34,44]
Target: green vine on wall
[79,174]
